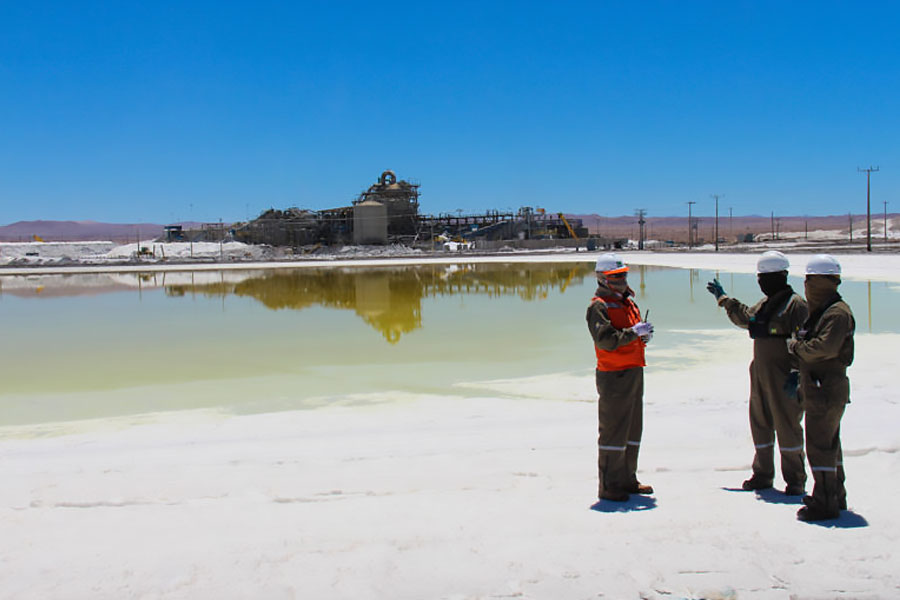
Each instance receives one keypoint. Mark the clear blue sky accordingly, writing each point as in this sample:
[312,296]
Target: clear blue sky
[164,111]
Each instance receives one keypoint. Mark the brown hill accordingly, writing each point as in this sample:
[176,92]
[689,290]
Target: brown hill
[730,228]
[81,231]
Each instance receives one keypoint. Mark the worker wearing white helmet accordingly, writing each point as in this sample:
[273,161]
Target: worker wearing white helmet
[775,410]
[620,336]
[824,347]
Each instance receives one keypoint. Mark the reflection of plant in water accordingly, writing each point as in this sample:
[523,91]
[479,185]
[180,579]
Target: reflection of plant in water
[390,298]
[300,289]
[528,281]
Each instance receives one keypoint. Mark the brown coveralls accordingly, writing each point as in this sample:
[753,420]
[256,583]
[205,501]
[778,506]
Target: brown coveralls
[620,404]
[772,411]
[825,352]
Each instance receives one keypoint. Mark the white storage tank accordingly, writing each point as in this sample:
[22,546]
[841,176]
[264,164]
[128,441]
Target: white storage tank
[370,223]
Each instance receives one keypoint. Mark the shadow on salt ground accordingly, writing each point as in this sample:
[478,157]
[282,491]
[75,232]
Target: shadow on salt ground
[634,504]
[847,520]
[771,495]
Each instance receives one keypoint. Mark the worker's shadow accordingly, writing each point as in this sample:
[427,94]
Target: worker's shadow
[634,504]
[773,496]
[847,520]
[770,495]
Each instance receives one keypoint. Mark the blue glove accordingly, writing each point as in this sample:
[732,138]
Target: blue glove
[791,384]
[715,288]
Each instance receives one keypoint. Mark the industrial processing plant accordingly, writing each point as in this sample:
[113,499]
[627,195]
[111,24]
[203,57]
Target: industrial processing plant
[388,213]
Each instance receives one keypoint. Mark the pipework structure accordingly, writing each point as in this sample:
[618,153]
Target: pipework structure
[401,198]
[388,212]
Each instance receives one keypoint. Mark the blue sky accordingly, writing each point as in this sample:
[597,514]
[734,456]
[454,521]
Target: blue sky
[164,111]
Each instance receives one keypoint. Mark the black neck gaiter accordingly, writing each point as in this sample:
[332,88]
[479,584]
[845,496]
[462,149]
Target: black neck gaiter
[820,289]
[772,283]
[758,327]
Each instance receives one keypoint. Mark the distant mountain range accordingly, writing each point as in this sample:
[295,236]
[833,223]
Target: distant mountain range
[659,228]
[81,231]
[730,228]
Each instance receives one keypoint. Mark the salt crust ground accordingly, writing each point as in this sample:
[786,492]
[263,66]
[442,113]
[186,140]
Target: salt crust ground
[443,497]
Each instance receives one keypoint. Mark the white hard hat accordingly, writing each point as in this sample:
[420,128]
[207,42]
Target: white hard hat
[609,264]
[772,261]
[823,264]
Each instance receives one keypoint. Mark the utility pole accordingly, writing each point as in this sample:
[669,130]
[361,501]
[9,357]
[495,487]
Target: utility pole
[850,218]
[640,213]
[690,224]
[885,220]
[730,225]
[773,226]
[868,173]
[717,196]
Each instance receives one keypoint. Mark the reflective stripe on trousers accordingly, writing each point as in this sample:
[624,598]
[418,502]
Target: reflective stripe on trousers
[825,469]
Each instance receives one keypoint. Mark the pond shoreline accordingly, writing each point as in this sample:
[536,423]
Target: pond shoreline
[857,266]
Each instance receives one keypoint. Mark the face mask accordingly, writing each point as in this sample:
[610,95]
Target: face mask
[617,284]
[772,283]
[819,289]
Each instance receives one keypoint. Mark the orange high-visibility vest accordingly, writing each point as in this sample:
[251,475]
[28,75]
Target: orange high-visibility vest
[623,313]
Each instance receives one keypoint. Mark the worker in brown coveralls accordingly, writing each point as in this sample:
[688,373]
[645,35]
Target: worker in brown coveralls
[619,336]
[775,410]
[824,347]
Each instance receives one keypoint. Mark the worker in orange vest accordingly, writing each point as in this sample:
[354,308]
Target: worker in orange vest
[620,336]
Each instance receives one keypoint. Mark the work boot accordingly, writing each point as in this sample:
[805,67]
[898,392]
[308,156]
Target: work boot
[640,488]
[826,497]
[614,496]
[794,489]
[757,482]
[814,512]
